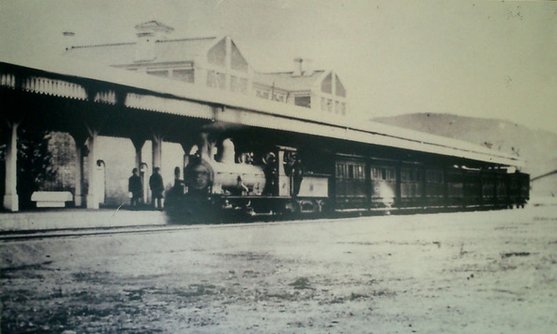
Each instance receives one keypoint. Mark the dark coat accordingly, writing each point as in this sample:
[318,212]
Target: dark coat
[156,184]
[135,186]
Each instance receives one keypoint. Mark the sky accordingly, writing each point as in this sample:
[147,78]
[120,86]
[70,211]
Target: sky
[492,59]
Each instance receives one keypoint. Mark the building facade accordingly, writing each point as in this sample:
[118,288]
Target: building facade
[215,63]
[218,63]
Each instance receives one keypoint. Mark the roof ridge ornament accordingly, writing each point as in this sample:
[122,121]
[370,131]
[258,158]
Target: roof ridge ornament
[147,34]
[152,27]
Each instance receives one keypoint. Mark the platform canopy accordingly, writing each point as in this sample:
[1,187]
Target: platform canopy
[75,79]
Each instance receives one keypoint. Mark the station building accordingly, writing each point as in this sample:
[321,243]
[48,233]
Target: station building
[114,107]
[208,62]
[218,63]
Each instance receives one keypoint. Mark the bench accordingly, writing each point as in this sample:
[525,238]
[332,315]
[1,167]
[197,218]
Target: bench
[51,199]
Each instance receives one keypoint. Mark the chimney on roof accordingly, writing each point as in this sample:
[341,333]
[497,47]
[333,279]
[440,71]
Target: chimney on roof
[153,29]
[148,33]
[68,39]
[298,67]
[302,67]
[307,67]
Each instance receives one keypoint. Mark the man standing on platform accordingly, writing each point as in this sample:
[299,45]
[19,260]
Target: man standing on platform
[157,188]
[135,188]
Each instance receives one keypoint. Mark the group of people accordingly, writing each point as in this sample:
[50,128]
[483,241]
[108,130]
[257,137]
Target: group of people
[135,188]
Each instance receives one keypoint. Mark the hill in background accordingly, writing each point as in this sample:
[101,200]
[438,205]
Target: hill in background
[537,147]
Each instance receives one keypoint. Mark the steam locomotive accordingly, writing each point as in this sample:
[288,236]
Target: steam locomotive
[278,181]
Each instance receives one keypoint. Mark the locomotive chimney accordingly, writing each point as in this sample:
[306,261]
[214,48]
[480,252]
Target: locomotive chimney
[204,147]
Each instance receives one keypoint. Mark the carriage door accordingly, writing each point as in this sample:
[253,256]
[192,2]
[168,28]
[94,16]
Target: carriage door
[286,155]
[383,185]
[350,185]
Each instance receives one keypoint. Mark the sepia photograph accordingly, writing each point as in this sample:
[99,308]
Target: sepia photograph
[278,166]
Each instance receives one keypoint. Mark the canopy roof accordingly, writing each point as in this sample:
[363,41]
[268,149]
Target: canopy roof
[169,96]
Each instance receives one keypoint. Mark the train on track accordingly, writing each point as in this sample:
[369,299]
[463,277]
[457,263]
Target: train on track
[328,177]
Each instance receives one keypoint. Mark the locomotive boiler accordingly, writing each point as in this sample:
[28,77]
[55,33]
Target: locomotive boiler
[206,174]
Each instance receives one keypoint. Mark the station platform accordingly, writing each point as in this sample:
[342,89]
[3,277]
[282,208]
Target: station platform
[71,219]
[111,218]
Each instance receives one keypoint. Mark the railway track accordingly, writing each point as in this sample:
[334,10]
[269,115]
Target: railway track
[12,236]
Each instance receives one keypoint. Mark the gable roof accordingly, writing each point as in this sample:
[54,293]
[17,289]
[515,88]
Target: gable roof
[288,81]
[166,51]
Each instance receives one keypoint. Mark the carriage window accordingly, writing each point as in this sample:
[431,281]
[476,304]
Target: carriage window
[391,174]
[409,175]
[351,171]
[383,174]
[434,176]
[404,175]
[340,173]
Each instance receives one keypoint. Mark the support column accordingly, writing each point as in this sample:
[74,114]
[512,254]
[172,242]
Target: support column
[11,199]
[78,193]
[79,138]
[138,143]
[92,199]
[157,150]
[186,147]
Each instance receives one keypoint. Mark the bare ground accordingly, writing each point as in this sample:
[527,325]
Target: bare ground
[478,272]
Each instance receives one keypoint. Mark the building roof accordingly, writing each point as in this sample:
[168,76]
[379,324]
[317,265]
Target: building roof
[289,81]
[166,51]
